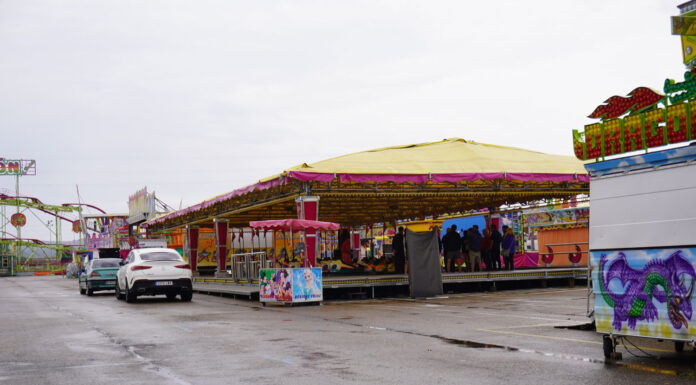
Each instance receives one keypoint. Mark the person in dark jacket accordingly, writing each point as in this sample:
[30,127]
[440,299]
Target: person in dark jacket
[474,239]
[452,245]
[486,243]
[509,247]
[399,251]
[496,241]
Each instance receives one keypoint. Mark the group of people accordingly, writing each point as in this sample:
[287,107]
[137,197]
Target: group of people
[471,248]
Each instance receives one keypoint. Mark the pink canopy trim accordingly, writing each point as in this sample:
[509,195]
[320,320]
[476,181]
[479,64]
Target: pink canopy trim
[307,176]
[379,178]
[538,177]
[454,178]
[438,178]
[241,191]
[294,224]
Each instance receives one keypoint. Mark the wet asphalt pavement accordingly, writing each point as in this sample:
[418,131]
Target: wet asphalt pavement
[50,334]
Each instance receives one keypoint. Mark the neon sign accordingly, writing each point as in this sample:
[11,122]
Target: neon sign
[644,119]
[17,166]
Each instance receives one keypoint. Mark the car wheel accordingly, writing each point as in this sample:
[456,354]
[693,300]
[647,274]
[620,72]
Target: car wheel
[82,291]
[119,296]
[130,296]
[186,296]
[90,292]
[171,296]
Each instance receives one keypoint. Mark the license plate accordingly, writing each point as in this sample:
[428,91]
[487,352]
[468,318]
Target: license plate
[164,283]
[110,282]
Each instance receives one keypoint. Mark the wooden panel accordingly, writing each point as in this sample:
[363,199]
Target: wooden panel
[563,236]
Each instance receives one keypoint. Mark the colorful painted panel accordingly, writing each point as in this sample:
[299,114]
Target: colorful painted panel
[645,293]
[206,248]
[546,219]
[306,284]
[275,285]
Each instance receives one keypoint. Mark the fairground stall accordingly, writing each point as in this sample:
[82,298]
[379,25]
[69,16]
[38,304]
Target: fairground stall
[642,212]
[387,185]
[292,285]
[368,192]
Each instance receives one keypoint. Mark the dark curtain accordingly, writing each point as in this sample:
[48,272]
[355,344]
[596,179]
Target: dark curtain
[424,272]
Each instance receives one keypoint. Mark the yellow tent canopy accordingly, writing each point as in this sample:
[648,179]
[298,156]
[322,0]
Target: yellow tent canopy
[448,156]
[398,182]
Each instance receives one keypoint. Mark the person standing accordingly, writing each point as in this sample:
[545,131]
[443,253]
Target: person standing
[452,245]
[463,261]
[496,241]
[346,251]
[474,238]
[399,251]
[509,246]
[486,250]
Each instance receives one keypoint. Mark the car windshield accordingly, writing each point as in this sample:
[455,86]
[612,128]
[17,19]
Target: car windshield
[104,263]
[160,256]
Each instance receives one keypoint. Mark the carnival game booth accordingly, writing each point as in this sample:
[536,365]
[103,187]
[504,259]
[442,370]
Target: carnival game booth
[293,285]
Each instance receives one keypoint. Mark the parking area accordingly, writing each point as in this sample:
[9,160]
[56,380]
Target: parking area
[53,335]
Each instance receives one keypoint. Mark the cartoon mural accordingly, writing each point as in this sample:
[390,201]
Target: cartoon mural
[645,292]
[275,285]
[206,248]
[290,285]
[306,284]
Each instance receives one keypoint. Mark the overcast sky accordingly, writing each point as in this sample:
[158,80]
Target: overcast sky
[196,98]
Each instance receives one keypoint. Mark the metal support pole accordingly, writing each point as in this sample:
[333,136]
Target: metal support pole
[59,236]
[18,246]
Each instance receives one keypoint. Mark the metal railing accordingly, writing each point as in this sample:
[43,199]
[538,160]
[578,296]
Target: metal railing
[246,266]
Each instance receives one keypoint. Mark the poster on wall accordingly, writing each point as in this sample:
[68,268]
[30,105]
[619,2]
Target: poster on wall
[646,292]
[275,285]
[306,284]
[328,242]
[206,248]
[288,251]
[558,219]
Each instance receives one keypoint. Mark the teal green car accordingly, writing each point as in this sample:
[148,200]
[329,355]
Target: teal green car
[99,274]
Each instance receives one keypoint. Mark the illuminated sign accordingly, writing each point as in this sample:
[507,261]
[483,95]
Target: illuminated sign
[18,220]
[685,26]
[17,167]
[641,120]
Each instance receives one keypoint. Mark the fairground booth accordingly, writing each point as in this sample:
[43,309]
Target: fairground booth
[369,194]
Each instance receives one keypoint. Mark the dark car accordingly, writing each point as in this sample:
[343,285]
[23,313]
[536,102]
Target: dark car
[99,274]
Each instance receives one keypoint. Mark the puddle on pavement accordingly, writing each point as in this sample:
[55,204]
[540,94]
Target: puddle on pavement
[471,344]
[583,326]
[620,364]
[314,356]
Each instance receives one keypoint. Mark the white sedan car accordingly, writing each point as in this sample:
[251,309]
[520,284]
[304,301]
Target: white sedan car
[153,271]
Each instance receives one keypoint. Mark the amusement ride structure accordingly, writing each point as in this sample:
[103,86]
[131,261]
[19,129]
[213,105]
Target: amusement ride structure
[19,254]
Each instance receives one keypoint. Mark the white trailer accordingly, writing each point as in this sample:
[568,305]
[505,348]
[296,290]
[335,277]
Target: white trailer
[643,246]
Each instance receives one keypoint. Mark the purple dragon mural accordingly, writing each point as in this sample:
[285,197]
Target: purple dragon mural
[661,280]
